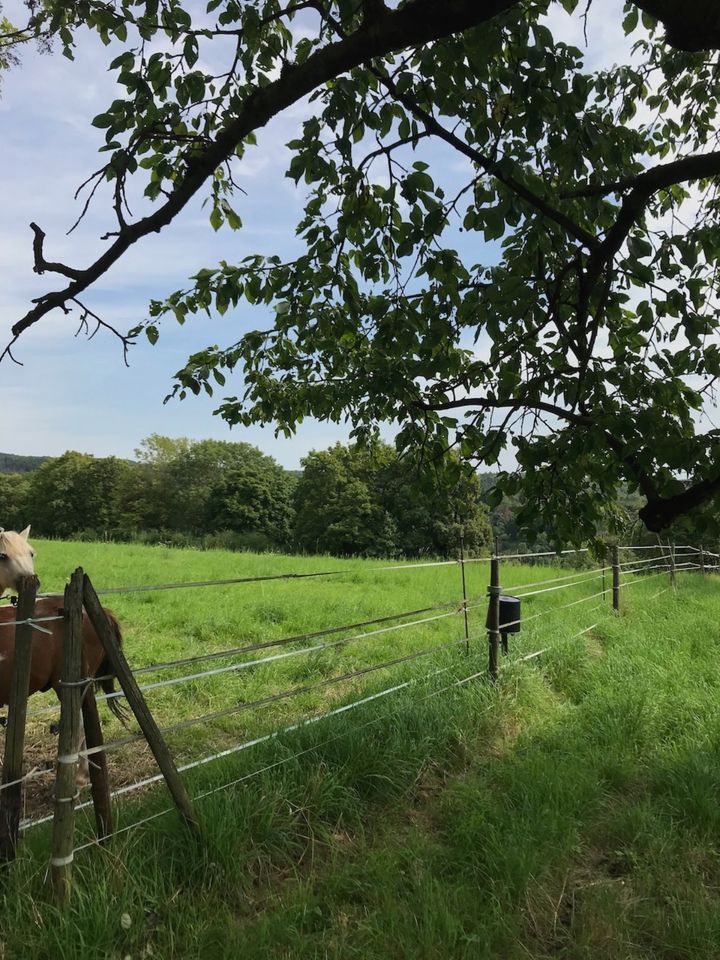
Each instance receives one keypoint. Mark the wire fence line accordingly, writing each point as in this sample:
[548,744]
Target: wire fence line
[569,576]
[656,546]
[543,553]
[639,563]
[578,578]
[537,653]
[324,743]
[248,744]
[230,581]
[457,609]
[275,697]
[561,586]
[629,583]
[33,621]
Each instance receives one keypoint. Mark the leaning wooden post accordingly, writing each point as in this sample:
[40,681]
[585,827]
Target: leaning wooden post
[493,617]
[63,839]
[11,795]
[138,705]
[616,578]
[99,780]
[464,592]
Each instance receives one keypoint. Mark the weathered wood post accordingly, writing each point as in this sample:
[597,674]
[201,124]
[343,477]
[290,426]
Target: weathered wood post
[616,578]
[63,839]
[137,703]
[493,618]
[11,795]
[99,780]
[702,561]
[464,592]
[673,578]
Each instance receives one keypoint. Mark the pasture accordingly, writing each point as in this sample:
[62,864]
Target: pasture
[164,625]
[568,811]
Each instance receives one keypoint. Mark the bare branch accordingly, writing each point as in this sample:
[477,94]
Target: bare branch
[41,264]
[84,327]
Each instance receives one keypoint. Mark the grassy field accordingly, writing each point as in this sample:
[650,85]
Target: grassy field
[569,811]
[171,624]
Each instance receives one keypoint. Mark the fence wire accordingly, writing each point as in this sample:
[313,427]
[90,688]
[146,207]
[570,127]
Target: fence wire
[324,743]
[578,578]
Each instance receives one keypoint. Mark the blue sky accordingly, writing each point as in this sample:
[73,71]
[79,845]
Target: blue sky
[75,394]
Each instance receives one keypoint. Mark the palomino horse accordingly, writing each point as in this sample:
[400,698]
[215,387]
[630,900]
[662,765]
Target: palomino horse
[16,558]
[16,561]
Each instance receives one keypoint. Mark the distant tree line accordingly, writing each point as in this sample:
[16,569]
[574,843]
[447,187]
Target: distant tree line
[345,501]
[15,463]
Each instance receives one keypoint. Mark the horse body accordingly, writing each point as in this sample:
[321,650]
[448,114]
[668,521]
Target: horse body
[46,665]
[47,652]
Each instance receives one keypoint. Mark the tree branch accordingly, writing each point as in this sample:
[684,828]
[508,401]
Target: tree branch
[491,166]
[660,512]
[419,21]
[490,403]
[41,264]
[645,185]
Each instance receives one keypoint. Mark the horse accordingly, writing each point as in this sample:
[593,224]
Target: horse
[16,558]
[16,561]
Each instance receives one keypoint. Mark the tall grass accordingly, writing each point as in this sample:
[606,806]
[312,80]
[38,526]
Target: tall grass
[570,810]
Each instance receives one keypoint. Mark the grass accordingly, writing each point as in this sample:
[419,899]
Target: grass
[570,811]
[170,624]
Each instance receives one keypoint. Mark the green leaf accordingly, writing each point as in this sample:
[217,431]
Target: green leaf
[216,218]
[630,20]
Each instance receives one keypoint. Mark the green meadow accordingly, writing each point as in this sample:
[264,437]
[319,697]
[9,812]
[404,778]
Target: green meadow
[569,810]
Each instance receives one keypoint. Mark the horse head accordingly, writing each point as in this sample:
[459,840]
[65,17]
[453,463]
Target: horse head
[16,558]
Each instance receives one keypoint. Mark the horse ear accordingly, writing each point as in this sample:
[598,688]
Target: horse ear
[25,533]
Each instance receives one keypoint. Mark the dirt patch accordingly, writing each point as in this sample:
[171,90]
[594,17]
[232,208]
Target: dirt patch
[134,763]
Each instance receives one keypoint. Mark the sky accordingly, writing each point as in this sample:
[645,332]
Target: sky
[72,393]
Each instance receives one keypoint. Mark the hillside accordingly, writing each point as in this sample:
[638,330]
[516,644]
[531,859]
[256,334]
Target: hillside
[17,463]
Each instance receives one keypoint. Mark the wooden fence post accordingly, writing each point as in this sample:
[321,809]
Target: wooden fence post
[139,707]
[464,592]
[493,618]
[11,796]
[616,578]
[99,780]
[63,839]
[702,561]
[673,582]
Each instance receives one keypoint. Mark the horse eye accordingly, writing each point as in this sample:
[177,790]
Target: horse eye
[3,556]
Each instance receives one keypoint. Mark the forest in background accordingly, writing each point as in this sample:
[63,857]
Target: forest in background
[208,493]
[345,501]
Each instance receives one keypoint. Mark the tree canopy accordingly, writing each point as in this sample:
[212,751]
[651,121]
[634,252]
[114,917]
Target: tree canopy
[349,500]
[557,297]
